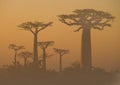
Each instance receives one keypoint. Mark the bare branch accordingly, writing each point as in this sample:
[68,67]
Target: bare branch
[78,29]
[87,18]
[99,28]
[43,26]
[27,26]
[15,47]
[32,31]
[38,26]
[69,20]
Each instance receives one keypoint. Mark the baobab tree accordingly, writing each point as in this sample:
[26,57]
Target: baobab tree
[25,55]
[35,28]
[44,46]
[61,52]
[86,19]
[16,48]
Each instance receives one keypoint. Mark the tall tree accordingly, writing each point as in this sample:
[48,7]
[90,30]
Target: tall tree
[61,52]
[25,55]
[35,28]
[16,48]
[86,19]
[44,46]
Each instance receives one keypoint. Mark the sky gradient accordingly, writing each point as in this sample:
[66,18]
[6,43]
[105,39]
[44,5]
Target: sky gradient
[105,44]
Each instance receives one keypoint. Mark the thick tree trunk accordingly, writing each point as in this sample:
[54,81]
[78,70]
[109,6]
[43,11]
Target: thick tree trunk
[86,61]
[44,60]
[60,63]
[35,50]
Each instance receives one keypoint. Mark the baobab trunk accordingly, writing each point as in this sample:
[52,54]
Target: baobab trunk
[35,50]
[60,63]
[86,49]
[44,60]
[15,60]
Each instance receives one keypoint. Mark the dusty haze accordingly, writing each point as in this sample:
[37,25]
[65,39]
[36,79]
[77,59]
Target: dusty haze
[105,44]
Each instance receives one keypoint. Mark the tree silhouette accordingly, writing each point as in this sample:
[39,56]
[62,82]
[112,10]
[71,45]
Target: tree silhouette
[35,28]
[16,48]
[25,55]
[44,46]
[86,19]
[61,52]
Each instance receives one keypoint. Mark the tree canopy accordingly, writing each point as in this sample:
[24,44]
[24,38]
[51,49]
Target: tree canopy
[61,51]
[25,54]
[34,27]
[87,18]
[45,44]
[15,47]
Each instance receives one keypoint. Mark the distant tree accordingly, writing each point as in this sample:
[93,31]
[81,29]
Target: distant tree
[16,48]
[25,55]
[35,28]
[86,19]
[61,52]
[44,46]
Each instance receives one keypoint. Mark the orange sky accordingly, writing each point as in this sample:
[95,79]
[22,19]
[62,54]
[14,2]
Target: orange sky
[105,44]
